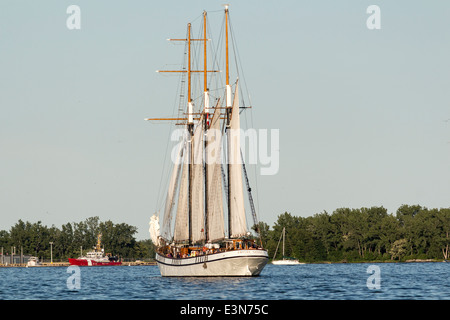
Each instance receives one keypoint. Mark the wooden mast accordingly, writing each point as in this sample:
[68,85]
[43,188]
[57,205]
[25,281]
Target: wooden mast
[205,123]
[226,46]
[228,116]
[189,63]
[205,75]
[190,126]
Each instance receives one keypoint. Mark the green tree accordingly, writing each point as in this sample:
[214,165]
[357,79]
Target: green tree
[325,232]
[145,249]
[444,239]
[264,233]
[389,232]
[398,249]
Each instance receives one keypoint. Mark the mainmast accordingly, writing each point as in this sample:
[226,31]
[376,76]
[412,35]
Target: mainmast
[227,57]
[228,118]
[205,123]
[190,127]
[205,66]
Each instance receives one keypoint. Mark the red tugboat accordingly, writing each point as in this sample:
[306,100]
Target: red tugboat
[96,257]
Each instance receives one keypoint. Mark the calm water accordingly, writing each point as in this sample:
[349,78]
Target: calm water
[428,281]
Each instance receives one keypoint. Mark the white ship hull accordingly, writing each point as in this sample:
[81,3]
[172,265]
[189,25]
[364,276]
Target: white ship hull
[237,263]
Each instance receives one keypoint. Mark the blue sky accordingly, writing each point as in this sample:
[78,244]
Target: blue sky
[362,113]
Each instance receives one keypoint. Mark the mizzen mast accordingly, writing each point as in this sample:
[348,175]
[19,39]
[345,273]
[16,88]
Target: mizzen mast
[205,66]
[228,87]
[228,118]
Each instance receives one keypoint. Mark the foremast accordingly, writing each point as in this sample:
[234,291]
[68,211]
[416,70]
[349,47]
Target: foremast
[228,119]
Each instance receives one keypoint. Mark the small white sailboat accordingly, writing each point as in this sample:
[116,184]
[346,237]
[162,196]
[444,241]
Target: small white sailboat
[198,244]
[285,260]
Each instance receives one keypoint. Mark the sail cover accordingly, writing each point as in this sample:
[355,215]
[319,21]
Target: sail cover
[237,210]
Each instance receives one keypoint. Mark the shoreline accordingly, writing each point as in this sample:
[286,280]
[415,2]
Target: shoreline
[67,264]
[377,261]
[153,263]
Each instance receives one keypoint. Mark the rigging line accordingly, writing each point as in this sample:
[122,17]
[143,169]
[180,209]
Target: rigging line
[233,42]
[223,154]
[254,167]
[214,53]
[249,194]
[255,172]
[180,96]
[216,61]
[182,84]
[238,60]
[197,83]
[239,67]
[200,16]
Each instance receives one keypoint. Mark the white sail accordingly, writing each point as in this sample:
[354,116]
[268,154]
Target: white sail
[236,191]
[198,220]
[181,232]
[214,185]
[154,229]
[171,192]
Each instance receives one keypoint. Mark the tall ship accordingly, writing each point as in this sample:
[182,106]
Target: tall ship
[96,257]
[204,225]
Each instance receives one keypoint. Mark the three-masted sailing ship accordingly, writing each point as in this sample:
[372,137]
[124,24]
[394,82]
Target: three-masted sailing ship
[205,190]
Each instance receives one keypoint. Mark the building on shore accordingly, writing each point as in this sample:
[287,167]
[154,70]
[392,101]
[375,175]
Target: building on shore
[14,258]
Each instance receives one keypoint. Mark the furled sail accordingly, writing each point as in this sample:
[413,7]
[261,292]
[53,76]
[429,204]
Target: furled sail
[236,192]
[198,220]
[214,181]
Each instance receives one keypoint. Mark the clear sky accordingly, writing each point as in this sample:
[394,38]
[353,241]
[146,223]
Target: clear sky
[363,114]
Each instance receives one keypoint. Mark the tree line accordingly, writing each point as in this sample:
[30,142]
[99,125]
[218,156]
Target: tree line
[75,238]
[365,234]
[345,235]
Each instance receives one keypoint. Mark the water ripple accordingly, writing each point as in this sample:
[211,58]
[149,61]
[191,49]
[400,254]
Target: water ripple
[303,282]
